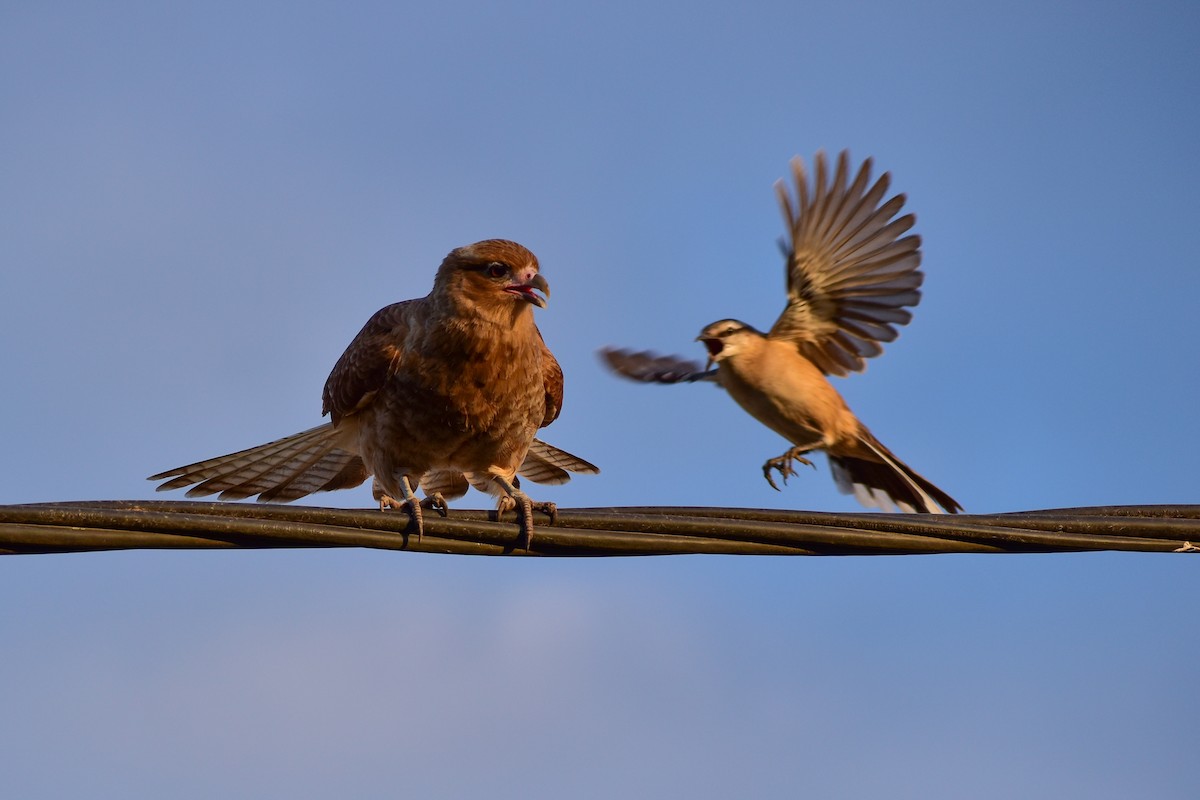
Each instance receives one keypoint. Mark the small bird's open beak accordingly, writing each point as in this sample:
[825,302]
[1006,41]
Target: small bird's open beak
[713,346]
[526,290]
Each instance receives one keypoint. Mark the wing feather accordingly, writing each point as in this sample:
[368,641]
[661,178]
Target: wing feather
[647,366]
[552,382]
[369,359]
[851,269]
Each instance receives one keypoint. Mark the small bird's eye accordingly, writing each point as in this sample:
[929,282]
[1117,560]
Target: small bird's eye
[496,270]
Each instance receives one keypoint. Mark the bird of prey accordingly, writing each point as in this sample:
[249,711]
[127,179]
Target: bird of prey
[851,275]
[435,393]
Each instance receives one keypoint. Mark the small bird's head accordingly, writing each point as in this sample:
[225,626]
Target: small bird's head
[726,338]
[493,274]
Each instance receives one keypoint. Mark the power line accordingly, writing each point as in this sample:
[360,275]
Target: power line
[124,525]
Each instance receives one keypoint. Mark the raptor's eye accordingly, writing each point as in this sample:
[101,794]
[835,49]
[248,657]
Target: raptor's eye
[495,270]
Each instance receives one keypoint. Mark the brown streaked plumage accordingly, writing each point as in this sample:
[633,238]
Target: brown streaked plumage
[437,393]
[852,274]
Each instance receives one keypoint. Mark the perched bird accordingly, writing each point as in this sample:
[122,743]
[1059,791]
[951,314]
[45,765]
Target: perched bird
[437,393]
[851,274]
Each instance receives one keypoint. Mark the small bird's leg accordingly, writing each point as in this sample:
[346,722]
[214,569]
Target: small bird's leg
[410,503]
[437,503]
[784,464]
[514,498]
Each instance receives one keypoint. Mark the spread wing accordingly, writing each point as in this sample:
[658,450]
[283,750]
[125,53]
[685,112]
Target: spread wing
[372,356]
[649,367]
[851,271]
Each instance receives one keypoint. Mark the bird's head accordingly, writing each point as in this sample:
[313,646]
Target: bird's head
[726,338]
[494,275]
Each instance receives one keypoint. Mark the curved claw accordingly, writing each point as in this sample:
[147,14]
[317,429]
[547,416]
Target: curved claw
[519,501]
[767,474]
[784,465]
[410,505]
[436,502]
[549,509]
[514,498]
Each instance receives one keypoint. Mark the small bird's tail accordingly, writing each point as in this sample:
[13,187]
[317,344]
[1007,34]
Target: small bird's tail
[279,471]
[888,483]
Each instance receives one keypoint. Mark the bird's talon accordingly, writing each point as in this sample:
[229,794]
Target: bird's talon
[504,505]
[784,465]
[411,507]
[437,503]
[767,475]
[549,509]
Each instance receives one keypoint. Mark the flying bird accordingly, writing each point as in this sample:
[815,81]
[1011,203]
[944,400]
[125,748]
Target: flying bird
[852,273]
[436,393]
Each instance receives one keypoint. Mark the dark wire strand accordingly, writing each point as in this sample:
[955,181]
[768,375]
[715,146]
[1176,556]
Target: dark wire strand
[123,525]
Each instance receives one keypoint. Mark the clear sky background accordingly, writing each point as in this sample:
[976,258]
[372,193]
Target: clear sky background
[200,206]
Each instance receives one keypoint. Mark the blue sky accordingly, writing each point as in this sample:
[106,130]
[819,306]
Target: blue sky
[200,206]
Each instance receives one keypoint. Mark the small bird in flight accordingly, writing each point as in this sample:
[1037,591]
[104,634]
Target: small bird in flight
[851,274]
[435,393]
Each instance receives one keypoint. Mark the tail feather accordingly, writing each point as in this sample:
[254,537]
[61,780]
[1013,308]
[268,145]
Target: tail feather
[283,470]
[315,460]
[547,464]
[269,472]
[317,476]
[448,483]
[888,484]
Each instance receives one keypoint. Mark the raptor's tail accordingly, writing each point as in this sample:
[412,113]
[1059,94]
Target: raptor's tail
[279,471]
[544,463]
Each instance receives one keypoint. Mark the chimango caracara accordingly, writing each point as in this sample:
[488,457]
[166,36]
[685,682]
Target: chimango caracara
[851,273]
[434,393]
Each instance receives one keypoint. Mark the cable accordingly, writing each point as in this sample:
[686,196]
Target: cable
[123,525]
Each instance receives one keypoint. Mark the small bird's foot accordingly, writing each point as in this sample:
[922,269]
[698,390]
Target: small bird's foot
[437,503]
[784,464]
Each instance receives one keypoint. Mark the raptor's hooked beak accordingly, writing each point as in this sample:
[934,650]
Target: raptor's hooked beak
[526,291]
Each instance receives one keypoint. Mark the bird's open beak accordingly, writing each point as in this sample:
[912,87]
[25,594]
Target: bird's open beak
[714,346]
[526,291]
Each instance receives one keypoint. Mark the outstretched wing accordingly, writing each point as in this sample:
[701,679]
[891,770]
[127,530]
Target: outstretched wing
[851,271]
[649,367]
[372,356]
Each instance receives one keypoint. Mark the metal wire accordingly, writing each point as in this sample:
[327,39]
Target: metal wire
[124,525]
